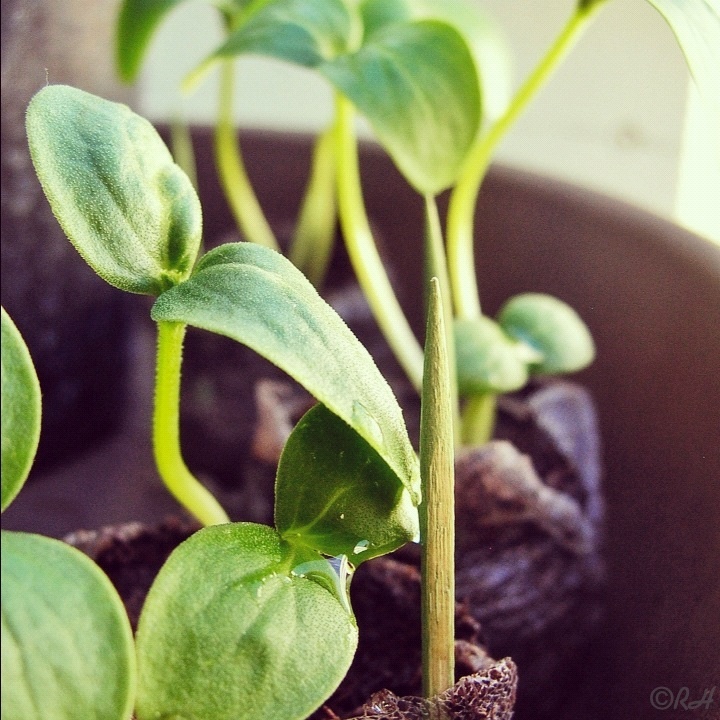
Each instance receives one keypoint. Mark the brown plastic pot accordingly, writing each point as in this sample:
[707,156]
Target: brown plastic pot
[650,293]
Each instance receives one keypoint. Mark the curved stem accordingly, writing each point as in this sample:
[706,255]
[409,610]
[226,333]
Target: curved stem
[166,430]
[312,243]
[181,145]
[236,185]
[461,210]
[363,252]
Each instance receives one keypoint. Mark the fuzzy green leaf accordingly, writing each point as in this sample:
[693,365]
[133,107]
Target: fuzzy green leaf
[305,32]
[417,85]
[696,25]
[257,297]
[126,206]
[552,328]
[240,625]
[21,410]
[67,647]
[488,361]
[335,494]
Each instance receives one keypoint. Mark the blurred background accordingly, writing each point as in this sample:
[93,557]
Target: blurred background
[620,116]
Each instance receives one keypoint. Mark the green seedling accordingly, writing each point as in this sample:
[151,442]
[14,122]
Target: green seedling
[67,648]
[431,80]
[269,605]
[548,337]
[244,620]
[406,78]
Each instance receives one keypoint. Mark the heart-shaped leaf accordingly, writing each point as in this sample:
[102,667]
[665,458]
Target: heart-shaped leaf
[130,211]
[415,82]
[488,360]
[305,32]
[240,625]
[336,495]
[67,647]
[483,36]
[257,297]
[417,85]
[552,328]
[21,408]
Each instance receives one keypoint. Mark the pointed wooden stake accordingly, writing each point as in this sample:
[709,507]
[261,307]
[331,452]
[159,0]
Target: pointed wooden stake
[437,515]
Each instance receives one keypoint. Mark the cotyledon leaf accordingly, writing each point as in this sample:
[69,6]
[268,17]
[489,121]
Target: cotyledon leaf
[304,32]
[552,328]
[257,297]
[241,625]
[128,209]
[417,85]
[21,410]
[415,82]
[482,34]
[67,646]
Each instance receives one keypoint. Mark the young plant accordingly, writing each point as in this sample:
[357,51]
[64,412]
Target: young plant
[545,335]
[67,648]
[416,71]
[412,68]
[405,78]
[312,244]
[244,620]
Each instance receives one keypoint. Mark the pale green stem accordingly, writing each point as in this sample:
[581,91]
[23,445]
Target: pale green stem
[363,252]
[437,514]
[436,267]
[233,177]
[166,430]
[182,149]
[315,231]
[461,210]
[478,419]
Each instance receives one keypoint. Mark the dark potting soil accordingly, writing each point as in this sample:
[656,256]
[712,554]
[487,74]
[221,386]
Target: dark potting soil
[386,602]
[132,554]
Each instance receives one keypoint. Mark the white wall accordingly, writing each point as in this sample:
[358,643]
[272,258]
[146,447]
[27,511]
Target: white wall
[611,119]
[698,195]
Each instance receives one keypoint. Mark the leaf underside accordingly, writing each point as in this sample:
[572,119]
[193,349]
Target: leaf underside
[257,297]
[335,494]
